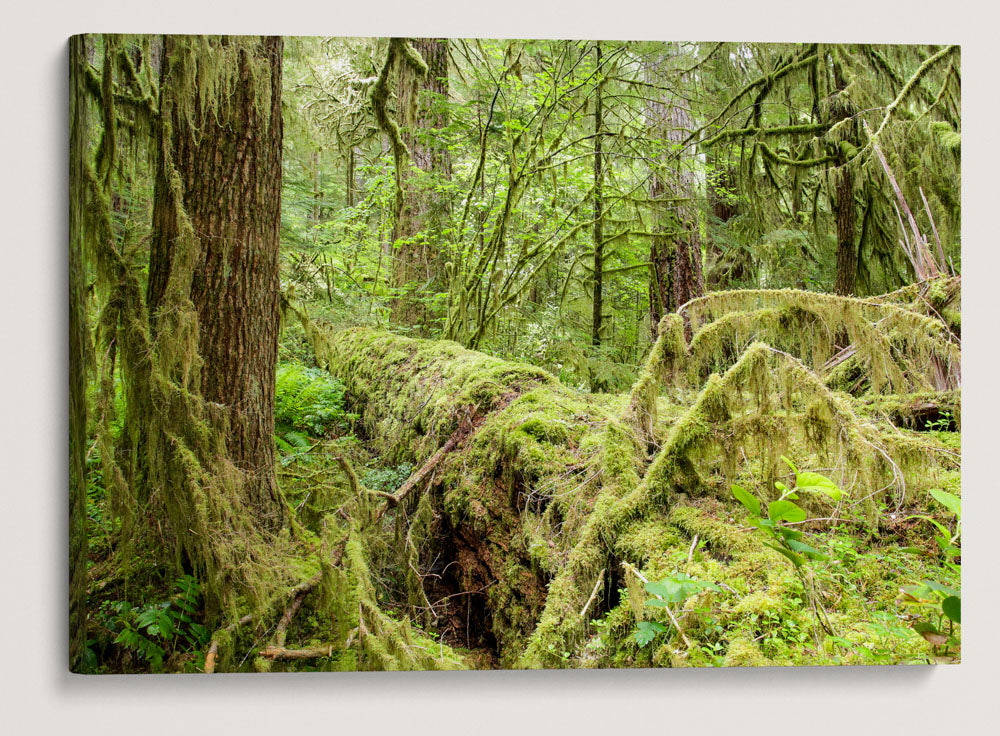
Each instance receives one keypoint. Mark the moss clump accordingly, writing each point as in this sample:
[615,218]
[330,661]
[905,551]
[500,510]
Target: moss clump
[743,652]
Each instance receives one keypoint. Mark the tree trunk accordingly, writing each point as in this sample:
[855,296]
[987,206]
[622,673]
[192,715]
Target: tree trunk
[595,337]
[227,154]
[349,183]
[77,361]
[676,275]
[844,211]
[417,264]
[847,251]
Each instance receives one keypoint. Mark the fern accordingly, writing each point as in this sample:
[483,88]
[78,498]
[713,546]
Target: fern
[308,401]
[164,626]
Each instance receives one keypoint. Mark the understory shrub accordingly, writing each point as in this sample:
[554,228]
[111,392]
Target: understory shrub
[308,400]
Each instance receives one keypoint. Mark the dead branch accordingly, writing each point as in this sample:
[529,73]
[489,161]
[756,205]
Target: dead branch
[287,655]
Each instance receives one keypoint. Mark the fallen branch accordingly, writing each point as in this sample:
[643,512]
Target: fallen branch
[923,262]
[593,594]
[281,630]
[287,655]
[213,649]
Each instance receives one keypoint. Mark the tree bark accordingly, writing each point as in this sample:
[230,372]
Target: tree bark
[77,361]
[676,275]
[417,264]
[845,282]
[847,252]
[228,159]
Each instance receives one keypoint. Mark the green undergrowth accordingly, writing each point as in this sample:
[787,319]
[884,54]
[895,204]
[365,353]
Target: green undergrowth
[307,401]
[760,615]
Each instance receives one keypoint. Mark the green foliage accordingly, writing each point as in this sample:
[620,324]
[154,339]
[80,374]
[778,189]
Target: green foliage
[646,631]
[307,401]
[937,603]
[783,512]
[157,630]
[668,593]
[946,538]
[387,479]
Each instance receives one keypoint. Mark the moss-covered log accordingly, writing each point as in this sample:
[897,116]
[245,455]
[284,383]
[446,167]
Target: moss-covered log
[538,508]
[502,497]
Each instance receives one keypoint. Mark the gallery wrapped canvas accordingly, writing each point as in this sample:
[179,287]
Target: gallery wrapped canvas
[444,353]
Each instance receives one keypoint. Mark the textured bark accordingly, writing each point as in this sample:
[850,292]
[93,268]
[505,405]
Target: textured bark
[676,275]
[418,265]
[77,362]
[723,210]
[229,163]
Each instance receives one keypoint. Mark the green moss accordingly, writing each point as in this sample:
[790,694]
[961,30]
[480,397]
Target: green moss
[647,538]
[743,652]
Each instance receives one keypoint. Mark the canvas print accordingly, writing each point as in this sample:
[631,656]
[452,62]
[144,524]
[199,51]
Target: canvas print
[444,353]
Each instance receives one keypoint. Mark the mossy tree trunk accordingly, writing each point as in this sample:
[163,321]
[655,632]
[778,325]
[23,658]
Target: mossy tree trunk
[724,206]
[227,154]
[77,361]
[417,263]
[661,254]
[847,253]
[845,282]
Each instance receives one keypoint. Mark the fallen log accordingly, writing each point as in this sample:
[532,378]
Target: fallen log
[526,467]
[555,485]
[919,411]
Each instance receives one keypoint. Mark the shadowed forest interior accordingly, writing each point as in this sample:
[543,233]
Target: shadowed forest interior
[423,353]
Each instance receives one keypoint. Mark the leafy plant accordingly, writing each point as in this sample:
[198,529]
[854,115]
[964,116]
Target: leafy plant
[169,625]
[308,401]
[672,590]
[939,604]
[780,631]
[943,423]
[783,511]
[946,538]
[387,479]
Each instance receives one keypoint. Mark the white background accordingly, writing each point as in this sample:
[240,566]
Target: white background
[38,695]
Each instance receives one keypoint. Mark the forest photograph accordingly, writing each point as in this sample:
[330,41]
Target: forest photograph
[473,354]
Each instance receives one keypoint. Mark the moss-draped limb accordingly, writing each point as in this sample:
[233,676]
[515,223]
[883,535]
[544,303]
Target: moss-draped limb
[909,87]
[777,130]
[894,345]
[665,359]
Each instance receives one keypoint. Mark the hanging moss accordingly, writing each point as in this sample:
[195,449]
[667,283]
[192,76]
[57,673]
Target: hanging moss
[665,360]
[180,498]
[894,346]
